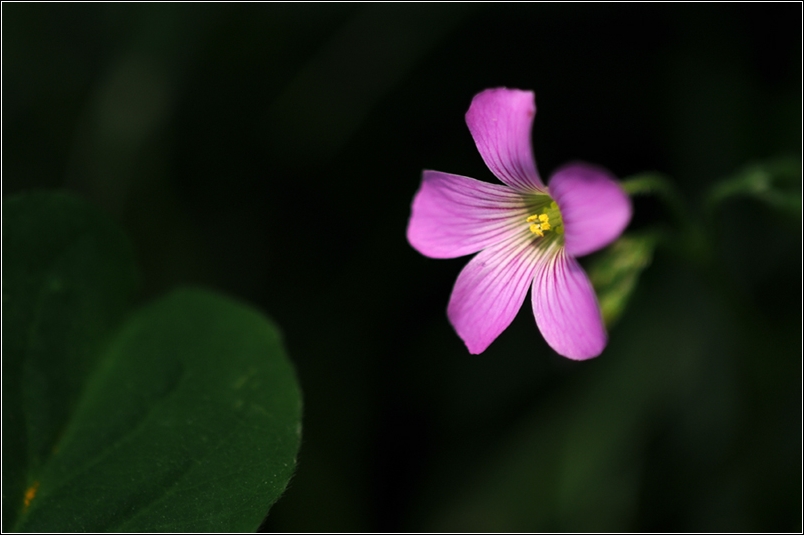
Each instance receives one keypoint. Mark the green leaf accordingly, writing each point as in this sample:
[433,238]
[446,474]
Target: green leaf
[189,415]
[615,272]
[68,277]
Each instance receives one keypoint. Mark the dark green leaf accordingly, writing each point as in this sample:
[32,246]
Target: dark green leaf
[190,424]
[68,275]
[184,417]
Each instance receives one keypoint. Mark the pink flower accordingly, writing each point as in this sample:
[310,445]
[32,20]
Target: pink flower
[526,233]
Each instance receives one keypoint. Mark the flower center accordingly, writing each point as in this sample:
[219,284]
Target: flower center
[549,219]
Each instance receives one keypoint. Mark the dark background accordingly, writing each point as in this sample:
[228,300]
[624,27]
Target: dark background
[271,151]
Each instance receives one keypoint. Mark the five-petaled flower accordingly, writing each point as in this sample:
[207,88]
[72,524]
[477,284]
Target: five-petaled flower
[525,233]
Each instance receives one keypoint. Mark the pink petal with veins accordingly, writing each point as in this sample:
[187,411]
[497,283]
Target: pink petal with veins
[500,121]
[455,215]
[490,291]
[566,308]
[593,205]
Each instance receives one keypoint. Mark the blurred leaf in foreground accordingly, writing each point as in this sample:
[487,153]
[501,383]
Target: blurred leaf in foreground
[183,417]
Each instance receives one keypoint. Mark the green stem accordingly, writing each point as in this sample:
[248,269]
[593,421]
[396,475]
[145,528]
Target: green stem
[692,241]
[775,182]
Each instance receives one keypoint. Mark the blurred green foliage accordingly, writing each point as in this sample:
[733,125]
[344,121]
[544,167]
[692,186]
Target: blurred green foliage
[615,272]
[183,416]
[272,151]
[68,279]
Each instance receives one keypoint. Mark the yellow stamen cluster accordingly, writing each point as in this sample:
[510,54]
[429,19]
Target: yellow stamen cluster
[539,223]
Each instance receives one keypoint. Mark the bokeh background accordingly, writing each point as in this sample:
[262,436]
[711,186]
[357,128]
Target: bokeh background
[271,152]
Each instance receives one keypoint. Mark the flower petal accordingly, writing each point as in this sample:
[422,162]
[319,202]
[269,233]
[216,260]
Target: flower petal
[490,291]
[566,308]
[593,205]
[455,215]
[500,121]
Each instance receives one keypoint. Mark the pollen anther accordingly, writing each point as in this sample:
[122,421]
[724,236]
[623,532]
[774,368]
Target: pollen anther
[537,229]
[539,223]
